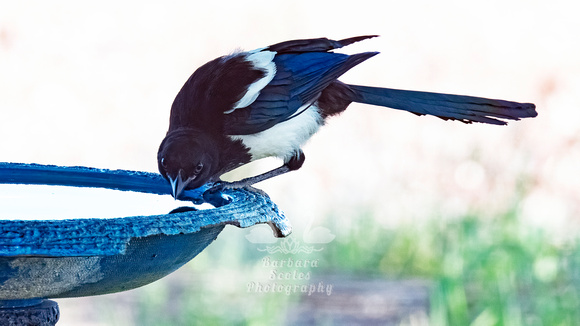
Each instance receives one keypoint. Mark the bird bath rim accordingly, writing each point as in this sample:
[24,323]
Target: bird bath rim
[248,207]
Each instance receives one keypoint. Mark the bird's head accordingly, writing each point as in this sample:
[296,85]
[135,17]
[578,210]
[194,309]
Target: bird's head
[187,160]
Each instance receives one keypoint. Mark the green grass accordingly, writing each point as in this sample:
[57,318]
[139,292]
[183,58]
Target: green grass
[503,272]
[485,272]
[494,271]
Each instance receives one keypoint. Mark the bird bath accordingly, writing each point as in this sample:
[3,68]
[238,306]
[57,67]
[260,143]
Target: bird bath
[43,256]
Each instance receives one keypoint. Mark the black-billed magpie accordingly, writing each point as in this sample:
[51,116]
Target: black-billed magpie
[268,102]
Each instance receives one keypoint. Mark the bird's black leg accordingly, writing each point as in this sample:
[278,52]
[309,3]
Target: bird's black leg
[294,163]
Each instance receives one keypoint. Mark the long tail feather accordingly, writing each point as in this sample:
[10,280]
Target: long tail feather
[466,109]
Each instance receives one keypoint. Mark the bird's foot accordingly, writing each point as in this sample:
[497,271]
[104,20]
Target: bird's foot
[220,186]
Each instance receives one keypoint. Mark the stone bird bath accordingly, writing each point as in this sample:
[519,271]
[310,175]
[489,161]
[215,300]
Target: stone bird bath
[57,258]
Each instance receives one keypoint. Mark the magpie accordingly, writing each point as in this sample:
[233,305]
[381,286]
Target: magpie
[268,102]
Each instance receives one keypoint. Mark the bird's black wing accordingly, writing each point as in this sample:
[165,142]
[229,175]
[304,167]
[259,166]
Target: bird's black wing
[303,70]
[314,45]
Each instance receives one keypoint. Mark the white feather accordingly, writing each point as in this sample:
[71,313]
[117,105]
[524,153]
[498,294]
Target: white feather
[284,139]
[263,61]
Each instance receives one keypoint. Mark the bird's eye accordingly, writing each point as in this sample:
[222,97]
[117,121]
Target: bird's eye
[163,163]
[198,168]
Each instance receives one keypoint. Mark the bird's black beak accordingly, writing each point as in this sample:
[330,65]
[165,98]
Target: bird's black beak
[178,185]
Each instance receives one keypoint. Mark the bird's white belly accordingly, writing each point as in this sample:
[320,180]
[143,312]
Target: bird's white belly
[284,139]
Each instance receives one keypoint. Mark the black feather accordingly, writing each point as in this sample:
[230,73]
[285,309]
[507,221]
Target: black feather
[466,109]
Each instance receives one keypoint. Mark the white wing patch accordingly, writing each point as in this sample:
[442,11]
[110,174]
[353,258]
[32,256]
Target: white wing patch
[262,61]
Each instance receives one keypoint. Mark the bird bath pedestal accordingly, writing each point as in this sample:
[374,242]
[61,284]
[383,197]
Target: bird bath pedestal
[48,258]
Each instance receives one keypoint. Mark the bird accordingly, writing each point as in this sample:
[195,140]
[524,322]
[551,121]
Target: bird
[268,102]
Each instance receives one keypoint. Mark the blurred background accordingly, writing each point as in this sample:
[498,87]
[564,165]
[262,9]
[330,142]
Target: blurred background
[412,220]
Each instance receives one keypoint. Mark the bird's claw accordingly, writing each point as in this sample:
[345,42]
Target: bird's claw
[220,186]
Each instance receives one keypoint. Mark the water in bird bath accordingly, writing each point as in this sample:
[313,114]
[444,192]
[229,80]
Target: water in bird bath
[42,202]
